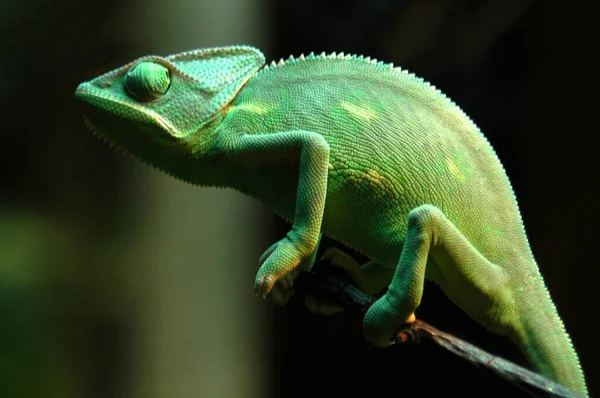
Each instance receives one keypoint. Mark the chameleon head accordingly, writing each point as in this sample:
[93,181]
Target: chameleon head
[157,106]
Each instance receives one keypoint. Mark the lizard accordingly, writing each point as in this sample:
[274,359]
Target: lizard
[355,149]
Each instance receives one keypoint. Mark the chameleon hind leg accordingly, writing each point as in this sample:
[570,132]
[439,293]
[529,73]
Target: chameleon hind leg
[457,263]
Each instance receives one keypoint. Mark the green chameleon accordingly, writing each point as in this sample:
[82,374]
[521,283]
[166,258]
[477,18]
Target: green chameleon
[360,151]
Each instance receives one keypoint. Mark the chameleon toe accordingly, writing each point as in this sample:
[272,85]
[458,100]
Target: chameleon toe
[263,285]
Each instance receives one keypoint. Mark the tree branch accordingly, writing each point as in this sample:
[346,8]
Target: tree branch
[329,285]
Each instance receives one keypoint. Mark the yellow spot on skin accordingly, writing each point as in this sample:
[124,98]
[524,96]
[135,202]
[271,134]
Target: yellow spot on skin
[259,109]
[362,112]
[454,170]
[374,181]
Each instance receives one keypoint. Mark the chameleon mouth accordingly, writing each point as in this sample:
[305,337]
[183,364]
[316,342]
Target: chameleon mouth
[140,133]
[122,107]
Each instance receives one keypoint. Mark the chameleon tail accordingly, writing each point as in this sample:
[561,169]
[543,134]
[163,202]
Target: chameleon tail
[543,339]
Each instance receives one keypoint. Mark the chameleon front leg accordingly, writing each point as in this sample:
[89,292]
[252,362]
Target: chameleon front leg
[460,266]
[287,254]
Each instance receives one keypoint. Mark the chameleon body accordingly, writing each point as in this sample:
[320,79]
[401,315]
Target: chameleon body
[360,151]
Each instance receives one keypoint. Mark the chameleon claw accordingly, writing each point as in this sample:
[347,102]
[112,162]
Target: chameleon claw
[263,285]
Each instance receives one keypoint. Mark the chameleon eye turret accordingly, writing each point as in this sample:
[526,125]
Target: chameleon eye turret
[147,81]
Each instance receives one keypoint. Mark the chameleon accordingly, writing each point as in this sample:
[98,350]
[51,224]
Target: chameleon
[356,149]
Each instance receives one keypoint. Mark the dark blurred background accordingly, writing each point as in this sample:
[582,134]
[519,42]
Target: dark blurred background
[117,281]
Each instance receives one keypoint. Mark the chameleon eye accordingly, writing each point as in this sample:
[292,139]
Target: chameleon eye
[147,81]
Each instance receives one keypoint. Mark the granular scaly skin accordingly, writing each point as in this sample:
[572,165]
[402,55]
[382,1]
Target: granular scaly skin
[360,151]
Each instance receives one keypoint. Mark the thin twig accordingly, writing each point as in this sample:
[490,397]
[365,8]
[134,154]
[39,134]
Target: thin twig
[330,286]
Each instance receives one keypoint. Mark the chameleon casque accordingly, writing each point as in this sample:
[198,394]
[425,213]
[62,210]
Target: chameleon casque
[360,151]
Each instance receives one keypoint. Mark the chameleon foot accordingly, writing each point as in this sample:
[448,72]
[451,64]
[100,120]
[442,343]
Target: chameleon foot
[277,262]
[283,289]
[382,322]
[263,285]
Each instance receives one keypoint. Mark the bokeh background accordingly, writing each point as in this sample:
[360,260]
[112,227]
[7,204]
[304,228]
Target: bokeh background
[117,281]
